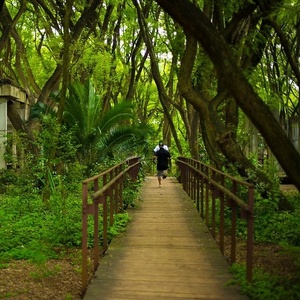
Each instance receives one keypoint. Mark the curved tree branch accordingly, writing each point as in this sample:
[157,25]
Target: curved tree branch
[195,22]
[156,75]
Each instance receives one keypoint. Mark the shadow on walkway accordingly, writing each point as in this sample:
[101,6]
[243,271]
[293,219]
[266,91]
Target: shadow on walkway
[167,252]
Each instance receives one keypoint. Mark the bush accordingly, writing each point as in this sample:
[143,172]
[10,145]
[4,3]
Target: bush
[264,286]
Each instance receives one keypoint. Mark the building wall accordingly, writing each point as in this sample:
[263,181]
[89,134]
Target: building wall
[16,94]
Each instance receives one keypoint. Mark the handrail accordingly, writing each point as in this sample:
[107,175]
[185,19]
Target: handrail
[204,183]
[112,186]
[102,191]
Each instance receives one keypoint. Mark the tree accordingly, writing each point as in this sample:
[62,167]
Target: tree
[163,96]
[98,132]
[198,25]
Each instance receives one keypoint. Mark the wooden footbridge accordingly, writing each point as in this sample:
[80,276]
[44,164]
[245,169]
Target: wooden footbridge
[167,251]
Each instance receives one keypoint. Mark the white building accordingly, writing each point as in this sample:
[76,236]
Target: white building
[9,92]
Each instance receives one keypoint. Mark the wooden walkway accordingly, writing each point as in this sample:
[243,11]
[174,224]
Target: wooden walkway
[166,253]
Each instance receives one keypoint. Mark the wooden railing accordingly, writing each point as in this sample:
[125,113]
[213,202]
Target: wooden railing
[206,185]
[106,189]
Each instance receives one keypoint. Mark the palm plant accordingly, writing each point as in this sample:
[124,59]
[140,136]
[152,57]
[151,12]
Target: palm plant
[39,109]
[101,134]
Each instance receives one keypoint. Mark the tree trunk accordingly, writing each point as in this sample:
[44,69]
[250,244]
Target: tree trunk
[164,98]
[198,25]
[20,126]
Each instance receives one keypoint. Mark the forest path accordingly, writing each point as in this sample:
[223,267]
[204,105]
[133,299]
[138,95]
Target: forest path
[166,252]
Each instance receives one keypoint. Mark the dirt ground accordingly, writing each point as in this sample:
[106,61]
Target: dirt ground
[269,257]
[57,279]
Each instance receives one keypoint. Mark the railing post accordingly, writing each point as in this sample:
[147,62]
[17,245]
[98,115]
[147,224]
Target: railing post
[188,182]
[193,181]
[84,241]
[184,176]
[213,206]
[111,202]
[120,190]
[133,171]
[198,188]
[202,193]
[119,185]
[207,192]
[233,226]
[105,223]
[104,217]
[222,217]
[250,235]
[96,226]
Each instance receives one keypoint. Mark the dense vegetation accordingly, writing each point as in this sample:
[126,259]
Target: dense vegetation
[278,233]
[106,80]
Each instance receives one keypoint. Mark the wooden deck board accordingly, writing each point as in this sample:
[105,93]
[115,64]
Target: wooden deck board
[167,252]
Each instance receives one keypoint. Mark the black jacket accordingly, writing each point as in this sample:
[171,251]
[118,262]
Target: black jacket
[163,157]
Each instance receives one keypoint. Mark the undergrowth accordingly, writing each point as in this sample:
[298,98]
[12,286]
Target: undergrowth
[265,286]
[276,228]
[30,230]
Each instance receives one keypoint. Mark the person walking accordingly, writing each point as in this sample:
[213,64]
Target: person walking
[162,157]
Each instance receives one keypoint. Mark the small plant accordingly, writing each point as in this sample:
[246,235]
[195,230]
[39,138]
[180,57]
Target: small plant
[120,222]
[43,271]
[3,265]
[264,286]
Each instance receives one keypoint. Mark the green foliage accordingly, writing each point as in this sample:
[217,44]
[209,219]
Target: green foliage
[30,231]
[264,286]
[131,192]
[120,222]
[33,168]
[276,226]
[37,231]
[40,109]
[93,62]
[102,133]
[270,224]
[43,271]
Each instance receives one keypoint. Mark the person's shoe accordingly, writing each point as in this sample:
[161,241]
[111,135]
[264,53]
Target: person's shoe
[164,176]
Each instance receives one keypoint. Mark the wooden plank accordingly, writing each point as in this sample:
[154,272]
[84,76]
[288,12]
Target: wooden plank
[166,253]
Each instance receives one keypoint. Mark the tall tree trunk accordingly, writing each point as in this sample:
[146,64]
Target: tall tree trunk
[198,25]
[65,80]
[194,137]
[1,5]
[164,98]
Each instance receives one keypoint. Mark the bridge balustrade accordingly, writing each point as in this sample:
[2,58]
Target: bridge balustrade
[106,189]
[205,185]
